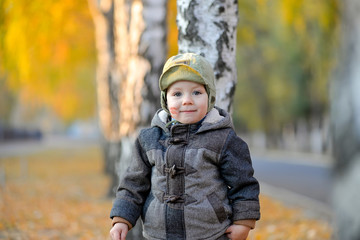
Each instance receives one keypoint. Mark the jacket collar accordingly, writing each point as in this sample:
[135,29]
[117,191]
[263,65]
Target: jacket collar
[217,118]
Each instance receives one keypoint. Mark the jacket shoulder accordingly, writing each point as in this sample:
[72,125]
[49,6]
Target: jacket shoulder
[150,137]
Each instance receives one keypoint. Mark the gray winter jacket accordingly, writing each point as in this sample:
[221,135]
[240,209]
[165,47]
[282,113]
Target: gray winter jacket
[188,181]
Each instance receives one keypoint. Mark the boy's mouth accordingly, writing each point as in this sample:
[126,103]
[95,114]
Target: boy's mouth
[188,111]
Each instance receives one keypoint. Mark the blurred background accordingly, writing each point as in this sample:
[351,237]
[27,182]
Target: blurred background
[47,67]
[287,54]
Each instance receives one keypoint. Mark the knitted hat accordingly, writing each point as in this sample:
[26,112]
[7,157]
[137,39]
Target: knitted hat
[190,67]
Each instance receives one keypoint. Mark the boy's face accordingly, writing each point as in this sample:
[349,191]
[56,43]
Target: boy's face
[187,101]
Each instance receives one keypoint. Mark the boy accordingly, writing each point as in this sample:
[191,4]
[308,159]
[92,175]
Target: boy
[191,176]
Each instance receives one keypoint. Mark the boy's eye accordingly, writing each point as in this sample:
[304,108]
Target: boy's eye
[176,94]
[197,92]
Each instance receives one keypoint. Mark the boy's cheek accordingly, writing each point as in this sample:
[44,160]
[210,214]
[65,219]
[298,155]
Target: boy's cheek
[173,111]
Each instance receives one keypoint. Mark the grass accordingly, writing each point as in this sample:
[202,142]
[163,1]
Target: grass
[61,194]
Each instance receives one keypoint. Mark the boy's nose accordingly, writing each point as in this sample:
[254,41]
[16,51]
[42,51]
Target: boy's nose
[187,99]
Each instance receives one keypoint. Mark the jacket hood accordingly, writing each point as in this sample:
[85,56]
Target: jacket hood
[217,118]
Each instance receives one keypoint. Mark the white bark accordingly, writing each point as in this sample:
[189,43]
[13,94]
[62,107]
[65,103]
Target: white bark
[102,13]
[209,28]
[132,67]
[131,43]
[154,48]
[140,39]
[345,117]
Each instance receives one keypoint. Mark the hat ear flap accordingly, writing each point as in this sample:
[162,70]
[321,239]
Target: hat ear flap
[164,101]
[211,102]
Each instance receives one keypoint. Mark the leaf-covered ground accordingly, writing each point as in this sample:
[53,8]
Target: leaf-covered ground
[61,194]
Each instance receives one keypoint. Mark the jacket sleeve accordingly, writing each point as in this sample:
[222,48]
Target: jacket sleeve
[237,171]
[134,187]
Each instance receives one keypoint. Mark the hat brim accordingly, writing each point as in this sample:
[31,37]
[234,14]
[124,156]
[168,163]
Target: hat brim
[179,73]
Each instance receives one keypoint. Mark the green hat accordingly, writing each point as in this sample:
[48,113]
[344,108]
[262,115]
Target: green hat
[190,67]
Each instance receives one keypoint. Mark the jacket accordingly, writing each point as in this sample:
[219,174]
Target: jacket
[188,181]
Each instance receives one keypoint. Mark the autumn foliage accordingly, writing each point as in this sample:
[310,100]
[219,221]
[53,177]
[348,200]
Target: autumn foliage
[47,52]
[55,195]
[60,194]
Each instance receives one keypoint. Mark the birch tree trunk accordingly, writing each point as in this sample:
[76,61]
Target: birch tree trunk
[345,118]
[107,82]
[209,28]
[131,40]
